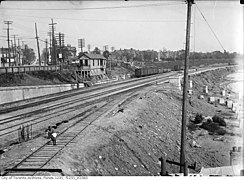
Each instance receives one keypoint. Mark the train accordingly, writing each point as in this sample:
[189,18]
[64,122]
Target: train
[158,68]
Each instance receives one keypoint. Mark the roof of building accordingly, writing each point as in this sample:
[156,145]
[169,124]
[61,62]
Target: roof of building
[92,56]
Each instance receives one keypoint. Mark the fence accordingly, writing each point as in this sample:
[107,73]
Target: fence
[24,69]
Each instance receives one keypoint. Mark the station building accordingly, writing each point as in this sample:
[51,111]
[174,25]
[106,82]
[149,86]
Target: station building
[91,65]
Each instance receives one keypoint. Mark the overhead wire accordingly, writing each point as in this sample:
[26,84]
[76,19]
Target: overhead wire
[98,20]
[210,27]
[97,8]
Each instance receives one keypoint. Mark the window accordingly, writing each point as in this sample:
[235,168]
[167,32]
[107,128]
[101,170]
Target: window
[98,62]
[86,62]
[101,62]
[93,62]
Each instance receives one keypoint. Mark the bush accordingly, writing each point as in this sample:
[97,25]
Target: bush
[212,127]
[192,127]
[219,120]
[221,131]
[209,120]
[198,118]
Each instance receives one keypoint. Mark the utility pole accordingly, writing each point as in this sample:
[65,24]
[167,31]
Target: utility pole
[8,23]
[46,57]
[19,48]
[38,49]
[50,45]
[60,37]
[14,48]
[185,87]
[53,54]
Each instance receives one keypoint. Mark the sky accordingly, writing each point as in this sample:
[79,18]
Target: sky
[128,24]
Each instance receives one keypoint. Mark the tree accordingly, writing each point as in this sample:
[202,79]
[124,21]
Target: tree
[97,51]
[45,55]
[28,55]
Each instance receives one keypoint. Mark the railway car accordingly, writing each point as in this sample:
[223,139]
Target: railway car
[177,67]
[162,67]
[140,72]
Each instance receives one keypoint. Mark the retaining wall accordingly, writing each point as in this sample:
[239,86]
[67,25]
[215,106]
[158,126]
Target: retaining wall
[17,93]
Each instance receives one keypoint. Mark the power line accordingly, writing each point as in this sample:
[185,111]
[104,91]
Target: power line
[99,20]
[210,27]
[100,8]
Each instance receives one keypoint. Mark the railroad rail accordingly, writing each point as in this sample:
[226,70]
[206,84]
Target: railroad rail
[10,107]
[44,154]
[81,102]
[15,123]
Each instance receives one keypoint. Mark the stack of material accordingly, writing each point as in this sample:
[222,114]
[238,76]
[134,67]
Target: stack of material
[201,97]
[229,104]
[223,93]
[211,100]
[206,89]
[235,107]
[221,101]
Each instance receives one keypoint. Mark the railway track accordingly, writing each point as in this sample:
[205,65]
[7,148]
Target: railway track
[30,165]
[10,107]
[11,124]
[8,129]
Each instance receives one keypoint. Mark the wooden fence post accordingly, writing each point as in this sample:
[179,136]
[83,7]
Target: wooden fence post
[19,134]
[163,166]
[186,168]
[31,132]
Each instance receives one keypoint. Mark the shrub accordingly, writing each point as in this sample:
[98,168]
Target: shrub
[212,127]
[219,120]
[220,131]
[209,120]
[192,127]
[198,118]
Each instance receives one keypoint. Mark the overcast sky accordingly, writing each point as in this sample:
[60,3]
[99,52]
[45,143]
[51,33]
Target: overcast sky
[132,24]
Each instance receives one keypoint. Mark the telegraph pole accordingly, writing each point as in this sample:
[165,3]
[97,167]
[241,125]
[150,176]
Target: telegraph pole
[38,49]
[8,23]
[14,48]
[50,45]
[46,57]
[59,38]
[185,87]
[19,48]
[53,55]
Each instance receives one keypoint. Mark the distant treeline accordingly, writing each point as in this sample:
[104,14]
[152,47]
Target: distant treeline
[130,55]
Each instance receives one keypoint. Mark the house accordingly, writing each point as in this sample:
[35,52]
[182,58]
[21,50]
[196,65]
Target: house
[5,58]
[91,64]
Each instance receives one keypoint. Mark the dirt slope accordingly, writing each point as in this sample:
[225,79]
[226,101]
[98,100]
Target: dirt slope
[35,78]
[132,141]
